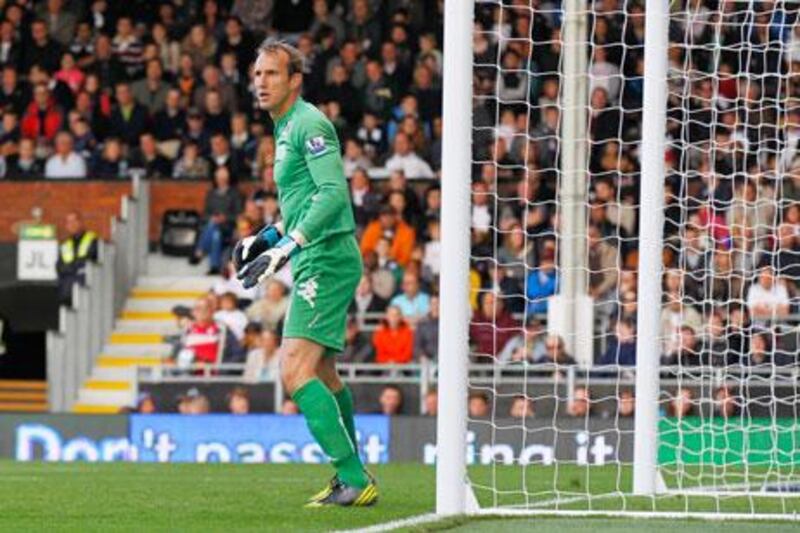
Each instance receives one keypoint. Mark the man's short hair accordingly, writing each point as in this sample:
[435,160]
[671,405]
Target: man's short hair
[273,46]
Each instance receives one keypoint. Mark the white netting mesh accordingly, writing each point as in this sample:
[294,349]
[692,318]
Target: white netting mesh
[555,248]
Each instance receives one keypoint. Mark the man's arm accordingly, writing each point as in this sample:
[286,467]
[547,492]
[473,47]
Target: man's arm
[321,150]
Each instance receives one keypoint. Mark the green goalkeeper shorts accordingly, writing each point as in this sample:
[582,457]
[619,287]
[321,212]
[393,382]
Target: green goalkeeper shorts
[325,279]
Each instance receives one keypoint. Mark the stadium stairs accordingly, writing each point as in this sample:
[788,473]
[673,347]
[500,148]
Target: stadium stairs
[138,335]
[23,396]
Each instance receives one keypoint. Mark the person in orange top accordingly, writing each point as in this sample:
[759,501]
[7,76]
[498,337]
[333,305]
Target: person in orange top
[401,235]
[394,339]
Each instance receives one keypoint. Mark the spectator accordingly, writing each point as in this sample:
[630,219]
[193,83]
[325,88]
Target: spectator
[289,407]
[42,118]
[491,327]
[426,335]
[431,407]
[401,236]
[366,202]
[24,164]
[521,407]
[357,344]
[70,74]
[230,316]
[239,401]
[727,405]
[686,352]
[674,316]
[681,404]
[223,203]
[207,342]
[110,164]
[579,406]
[767,299]
[151,91]
[394,339]
[626,404]
[200,46]
[270,310]
[147,157]
[41,50]
[412,302]
[366,301]
[542,283]
[128,119]
[74,253]
[403,158]
[222,156]
[555,352]
[354,158]
[169,122]
[65,163]
[603,266]
[169,51]
[10,47]
[191,165]
[478,405]
[527,346]
[263,360]
[127,49]
[13,93]
[391,400]
[622,351]
[146,404]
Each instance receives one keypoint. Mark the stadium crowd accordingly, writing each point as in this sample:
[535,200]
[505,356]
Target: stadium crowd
[96,88]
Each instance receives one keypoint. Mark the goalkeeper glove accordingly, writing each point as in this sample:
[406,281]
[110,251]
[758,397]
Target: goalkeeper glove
[251,247]
[268,263]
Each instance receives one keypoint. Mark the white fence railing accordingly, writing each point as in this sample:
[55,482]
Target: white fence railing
[84,327]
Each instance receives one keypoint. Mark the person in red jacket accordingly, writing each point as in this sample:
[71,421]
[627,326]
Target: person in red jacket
[394,339]
[42,118]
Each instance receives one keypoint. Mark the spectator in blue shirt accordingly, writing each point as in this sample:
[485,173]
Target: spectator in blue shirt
[542,283]
[622,350]
[414,303]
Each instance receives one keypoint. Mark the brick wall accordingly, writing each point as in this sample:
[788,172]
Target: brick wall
[98,201]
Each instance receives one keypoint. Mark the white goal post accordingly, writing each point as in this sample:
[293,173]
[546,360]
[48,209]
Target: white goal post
[612,397]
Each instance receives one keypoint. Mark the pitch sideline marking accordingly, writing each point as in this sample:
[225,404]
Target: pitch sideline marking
[395,524]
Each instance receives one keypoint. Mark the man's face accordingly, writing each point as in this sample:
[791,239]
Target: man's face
[73,224]
[39,32]
[239,405]
[123,95]
[271,78]
[201,311]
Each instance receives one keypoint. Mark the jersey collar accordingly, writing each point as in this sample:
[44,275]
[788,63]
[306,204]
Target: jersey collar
[281,123]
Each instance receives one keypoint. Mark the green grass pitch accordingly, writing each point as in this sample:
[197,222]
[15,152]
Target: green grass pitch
[268,497]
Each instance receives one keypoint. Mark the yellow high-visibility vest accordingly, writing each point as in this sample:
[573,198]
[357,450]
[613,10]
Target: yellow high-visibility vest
[68,247]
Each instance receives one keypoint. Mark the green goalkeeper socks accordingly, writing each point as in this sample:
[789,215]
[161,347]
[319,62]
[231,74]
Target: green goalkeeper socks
[325,423]
[345,401]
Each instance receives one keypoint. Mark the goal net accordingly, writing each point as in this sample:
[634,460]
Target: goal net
[557,258]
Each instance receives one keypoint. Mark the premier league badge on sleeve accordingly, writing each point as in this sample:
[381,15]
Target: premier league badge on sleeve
[315,145]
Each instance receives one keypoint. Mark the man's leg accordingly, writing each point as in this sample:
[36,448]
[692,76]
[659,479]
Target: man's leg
[215,249]
[326,371]
[299,361]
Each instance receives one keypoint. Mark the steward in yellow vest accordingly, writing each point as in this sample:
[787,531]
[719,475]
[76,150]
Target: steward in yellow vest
[73,254]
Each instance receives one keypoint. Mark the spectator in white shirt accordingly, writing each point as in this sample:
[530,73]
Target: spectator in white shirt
[230,315]
[405,159]
[65,162]
[767,298]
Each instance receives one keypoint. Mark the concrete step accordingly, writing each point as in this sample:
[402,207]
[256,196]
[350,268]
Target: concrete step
[191,283]
[106,397]
[137,350]
[159,327]
[157,304]
[166,316]
[113,373]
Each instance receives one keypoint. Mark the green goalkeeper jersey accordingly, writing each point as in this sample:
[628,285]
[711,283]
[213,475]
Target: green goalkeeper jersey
[312,189]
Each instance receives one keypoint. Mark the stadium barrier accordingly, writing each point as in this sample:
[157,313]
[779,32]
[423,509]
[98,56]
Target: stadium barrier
[550,387]
[83,327]
[382,439]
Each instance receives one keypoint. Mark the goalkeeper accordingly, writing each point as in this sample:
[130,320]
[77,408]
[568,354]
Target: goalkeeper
[317,233]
